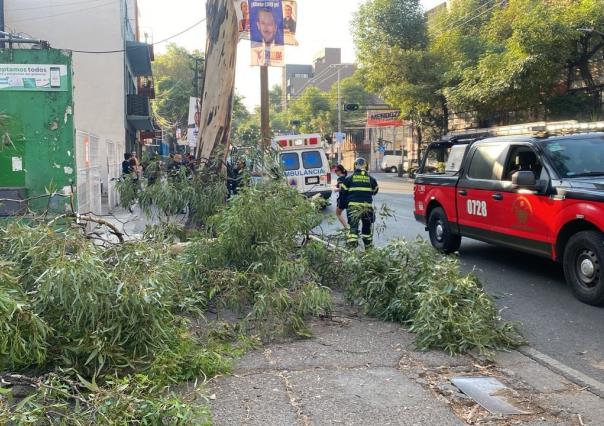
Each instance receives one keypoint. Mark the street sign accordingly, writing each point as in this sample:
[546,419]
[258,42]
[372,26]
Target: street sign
[382,149]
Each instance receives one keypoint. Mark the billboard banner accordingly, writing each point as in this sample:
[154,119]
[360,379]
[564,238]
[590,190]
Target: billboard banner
[34,77]
[290,20]
[390,118]
[193,122]
[266,33]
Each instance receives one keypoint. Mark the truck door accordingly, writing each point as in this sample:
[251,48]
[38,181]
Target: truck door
[479,208]
[529,212]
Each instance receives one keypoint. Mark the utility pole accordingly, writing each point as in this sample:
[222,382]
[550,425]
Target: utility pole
[340,141]
[265,124]
[2,22]
[197,77]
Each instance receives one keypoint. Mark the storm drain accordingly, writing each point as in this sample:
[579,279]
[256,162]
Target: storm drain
[489,393]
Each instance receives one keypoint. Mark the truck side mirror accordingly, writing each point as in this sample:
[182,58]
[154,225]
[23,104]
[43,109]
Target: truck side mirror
[524,179]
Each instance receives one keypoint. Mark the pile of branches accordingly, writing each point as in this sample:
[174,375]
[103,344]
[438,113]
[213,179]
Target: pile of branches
[411,283]
[102,333]
[101,328]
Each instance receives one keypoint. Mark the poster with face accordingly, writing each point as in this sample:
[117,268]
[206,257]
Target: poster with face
[267,33]
[290,21]
[242,7]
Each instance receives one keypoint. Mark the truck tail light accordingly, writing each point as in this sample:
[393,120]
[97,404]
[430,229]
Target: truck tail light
[313,141]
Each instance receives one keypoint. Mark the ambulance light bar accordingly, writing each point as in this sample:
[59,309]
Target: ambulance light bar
[297,141]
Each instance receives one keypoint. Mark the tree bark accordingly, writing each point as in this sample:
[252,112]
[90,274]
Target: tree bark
[218,83]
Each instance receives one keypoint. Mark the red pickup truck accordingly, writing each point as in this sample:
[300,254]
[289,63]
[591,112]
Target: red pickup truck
[541,195]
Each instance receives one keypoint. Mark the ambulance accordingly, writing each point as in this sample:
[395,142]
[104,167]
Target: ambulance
[305,164]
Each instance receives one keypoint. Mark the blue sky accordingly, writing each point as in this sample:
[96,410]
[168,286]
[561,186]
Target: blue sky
[321,23]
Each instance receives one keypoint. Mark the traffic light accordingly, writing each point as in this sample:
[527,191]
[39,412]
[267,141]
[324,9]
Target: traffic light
[351,107]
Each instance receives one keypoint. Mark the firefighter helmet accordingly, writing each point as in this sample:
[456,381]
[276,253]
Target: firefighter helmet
[360,164]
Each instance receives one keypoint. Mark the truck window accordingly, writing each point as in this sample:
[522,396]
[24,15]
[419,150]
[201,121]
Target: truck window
[290,161]
[455,159]
[436,159]
[312,160]
[487,162]
[522,158]
[577,157]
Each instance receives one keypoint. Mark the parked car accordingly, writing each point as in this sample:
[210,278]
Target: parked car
[391,161]
[540,195]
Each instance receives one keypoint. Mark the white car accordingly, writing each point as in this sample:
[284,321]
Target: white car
[391,161]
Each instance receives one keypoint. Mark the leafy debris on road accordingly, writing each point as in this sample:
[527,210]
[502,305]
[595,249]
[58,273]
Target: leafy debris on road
[411,283]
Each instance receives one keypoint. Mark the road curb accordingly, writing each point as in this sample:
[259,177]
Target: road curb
[592,385]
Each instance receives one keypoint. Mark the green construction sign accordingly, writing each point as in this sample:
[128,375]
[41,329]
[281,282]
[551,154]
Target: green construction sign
[34,77]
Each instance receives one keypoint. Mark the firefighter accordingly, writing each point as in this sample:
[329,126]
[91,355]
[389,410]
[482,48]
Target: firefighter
[358,190]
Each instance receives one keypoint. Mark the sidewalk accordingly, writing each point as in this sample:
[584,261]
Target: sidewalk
[360,371]
[131,224]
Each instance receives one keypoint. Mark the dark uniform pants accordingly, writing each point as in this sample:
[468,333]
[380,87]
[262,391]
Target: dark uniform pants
[364,217]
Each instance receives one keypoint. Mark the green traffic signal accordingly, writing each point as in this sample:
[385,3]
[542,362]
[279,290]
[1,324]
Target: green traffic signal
[351,107]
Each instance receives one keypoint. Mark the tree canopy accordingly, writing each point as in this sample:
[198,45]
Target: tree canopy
[481,55]
[174,73]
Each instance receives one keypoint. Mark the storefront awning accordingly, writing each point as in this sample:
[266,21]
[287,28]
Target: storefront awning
[139,58]
[139,122]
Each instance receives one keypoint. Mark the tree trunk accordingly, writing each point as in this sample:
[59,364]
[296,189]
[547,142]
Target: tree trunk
[218,82]
[445,119]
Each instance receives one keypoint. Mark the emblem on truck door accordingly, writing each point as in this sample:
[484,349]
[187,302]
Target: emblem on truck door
[522,210]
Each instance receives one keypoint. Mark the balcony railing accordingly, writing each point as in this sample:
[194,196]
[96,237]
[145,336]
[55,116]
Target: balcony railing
[138,105]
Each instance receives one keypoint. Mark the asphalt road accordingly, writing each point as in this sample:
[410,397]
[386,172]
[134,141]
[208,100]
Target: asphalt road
[528,289]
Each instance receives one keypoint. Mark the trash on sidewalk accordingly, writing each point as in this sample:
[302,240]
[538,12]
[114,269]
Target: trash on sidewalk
[489,393]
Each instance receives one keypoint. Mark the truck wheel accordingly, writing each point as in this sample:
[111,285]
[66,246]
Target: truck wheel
[441,235]
[583,266]
[393,170]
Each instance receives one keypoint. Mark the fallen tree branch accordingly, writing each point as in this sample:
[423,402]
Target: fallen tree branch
[109,225]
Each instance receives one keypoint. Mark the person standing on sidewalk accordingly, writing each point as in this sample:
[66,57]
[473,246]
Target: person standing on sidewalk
[358,190]
[341,173]
[126,167]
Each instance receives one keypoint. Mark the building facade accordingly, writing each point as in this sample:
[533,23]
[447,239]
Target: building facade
[112,79]
[323,74]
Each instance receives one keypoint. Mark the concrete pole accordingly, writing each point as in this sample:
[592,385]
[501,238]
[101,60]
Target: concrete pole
[265,123]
